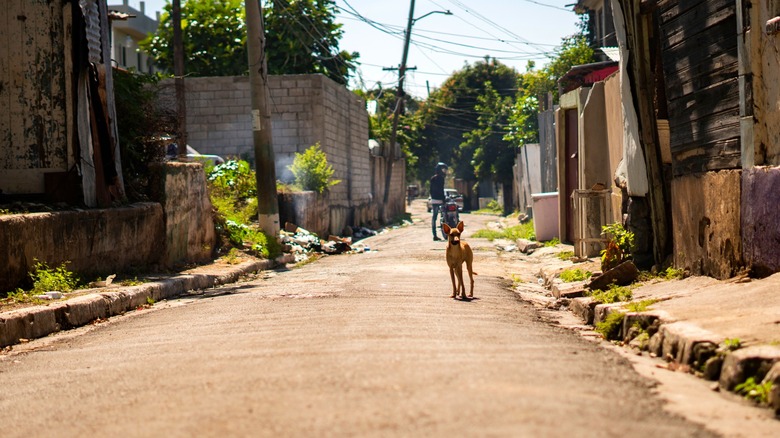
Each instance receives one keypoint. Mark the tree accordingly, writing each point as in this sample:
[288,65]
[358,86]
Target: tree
[450,112]
[214,38]
[301,37]
[493,156]
[380,124]
[535,84]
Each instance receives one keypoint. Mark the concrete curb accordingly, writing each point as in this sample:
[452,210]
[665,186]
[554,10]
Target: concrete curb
[39,321]
[686,345]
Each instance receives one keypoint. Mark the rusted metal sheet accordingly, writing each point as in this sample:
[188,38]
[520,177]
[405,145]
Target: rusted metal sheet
[33,128]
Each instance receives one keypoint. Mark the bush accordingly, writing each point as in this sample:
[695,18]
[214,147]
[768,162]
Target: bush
[141,124]
[619,246]
[46,279]
[233,179]
[312,171]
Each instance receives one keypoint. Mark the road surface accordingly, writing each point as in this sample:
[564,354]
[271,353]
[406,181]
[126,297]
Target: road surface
[351,345]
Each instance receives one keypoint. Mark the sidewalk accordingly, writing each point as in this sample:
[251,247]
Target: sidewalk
[38,321]
[689,323]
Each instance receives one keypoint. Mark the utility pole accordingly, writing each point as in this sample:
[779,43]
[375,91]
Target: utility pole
[265,163]
[399,104]
[178,73]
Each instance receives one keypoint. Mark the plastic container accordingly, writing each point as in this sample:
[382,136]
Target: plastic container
[545,208]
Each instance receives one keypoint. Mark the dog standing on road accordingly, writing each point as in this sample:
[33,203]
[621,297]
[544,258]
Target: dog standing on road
[458,252]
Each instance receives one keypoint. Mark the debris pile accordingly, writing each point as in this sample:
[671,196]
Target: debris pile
[302,243]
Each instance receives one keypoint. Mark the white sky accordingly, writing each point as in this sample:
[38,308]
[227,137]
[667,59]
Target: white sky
[513,31]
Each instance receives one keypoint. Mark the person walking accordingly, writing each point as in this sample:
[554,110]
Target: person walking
[437,196]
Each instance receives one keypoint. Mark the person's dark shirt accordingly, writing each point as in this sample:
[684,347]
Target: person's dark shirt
[437,187]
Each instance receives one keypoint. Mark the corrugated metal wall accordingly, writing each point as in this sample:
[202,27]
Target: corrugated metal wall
[32,94]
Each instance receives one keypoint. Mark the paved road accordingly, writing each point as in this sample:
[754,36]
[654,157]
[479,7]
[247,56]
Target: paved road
[353,345]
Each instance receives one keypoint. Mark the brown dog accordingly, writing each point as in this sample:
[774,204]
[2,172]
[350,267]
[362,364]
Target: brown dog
[458,252]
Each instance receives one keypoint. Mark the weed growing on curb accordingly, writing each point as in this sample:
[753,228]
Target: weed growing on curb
[232,257]
[640,306]
[134,282]
[553,242]
[609,328]
[149,301]
[565,255]
[612,295]
[671,273]
[46,279]
[757,392]
[571,275]
[731,344]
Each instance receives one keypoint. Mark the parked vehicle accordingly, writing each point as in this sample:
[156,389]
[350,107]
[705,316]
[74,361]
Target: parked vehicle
[194,155]
[449,193]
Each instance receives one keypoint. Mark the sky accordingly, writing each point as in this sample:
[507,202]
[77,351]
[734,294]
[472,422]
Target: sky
[512,31]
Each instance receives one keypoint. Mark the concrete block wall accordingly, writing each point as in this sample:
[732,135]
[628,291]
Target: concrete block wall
[306,109]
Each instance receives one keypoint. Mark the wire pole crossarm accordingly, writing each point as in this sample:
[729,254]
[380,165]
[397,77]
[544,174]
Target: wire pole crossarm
[400,102]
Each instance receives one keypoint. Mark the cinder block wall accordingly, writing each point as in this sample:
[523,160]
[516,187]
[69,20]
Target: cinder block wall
[305,109]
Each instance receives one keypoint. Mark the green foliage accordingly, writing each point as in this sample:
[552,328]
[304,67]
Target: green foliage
[232,189]
[312,171]
[242,235]
[613,294]
[640,306]
[451,111]
[141,122]
[493,157]
[232,257]
[131,282]
[572,275]
[752,390]
[522,231]
[234,179]
[609,328]
[554,242]
[301,37]
[731,344]
[619,246]
[671,273]
[565,255]
[46,279]
[149,301]
[523,122]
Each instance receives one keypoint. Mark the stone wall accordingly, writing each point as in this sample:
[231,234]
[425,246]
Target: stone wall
[706,217]
[94,242]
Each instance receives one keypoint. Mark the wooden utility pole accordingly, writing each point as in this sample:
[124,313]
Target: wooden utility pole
[178,73]
[399,104]
[265,164]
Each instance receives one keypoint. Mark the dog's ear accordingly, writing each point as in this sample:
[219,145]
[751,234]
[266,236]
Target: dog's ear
[460,226]
[446,228]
